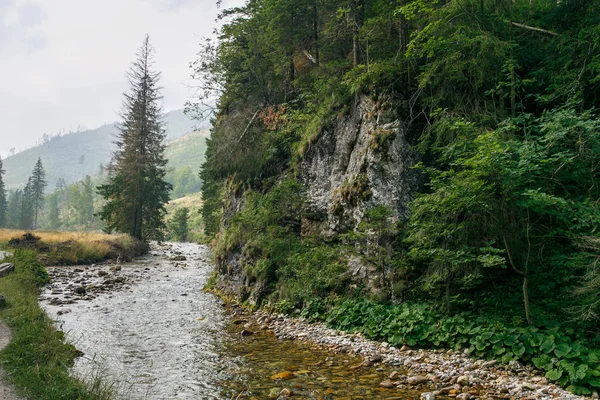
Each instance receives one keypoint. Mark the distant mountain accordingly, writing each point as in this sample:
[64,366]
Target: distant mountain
[75,155]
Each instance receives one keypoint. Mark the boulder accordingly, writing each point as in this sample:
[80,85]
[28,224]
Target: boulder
[387,384]
[80,290]
[6,269]
[463,380]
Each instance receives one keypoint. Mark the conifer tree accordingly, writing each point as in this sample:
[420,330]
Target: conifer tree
[136,191]
[38,186]
[53,216]
[13,215]
[25,218]
[3,202]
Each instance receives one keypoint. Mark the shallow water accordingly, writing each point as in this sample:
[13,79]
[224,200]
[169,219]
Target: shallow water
[151,329]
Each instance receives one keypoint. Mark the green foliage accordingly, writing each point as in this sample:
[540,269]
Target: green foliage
[13,214]
[554,350]
[496,206]
[499,98]
[292,268]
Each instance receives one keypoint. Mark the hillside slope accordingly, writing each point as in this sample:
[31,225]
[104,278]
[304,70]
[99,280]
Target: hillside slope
[187,150]
[185,155]
[62,156]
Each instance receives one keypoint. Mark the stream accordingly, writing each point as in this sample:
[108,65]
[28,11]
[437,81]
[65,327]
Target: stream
[148,328]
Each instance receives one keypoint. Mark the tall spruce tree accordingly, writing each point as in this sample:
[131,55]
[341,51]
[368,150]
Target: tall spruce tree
[3,202]
[38,186]
[136,191]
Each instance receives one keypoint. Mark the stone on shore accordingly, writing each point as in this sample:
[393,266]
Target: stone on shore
[6,269]
[416,380]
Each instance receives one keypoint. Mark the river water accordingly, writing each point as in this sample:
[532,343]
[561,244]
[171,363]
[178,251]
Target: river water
[148,327]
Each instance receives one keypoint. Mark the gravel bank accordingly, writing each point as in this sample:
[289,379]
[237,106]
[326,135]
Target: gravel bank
[449,373]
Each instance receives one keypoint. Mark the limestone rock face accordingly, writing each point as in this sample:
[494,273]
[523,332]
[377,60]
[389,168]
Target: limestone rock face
[357,162]
[361,161]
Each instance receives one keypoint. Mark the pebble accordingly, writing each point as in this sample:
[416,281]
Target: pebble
[416,380]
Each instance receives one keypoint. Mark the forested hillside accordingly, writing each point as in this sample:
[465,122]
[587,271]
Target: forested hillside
[75,155]
[424,172]
[73,206]
[185,155]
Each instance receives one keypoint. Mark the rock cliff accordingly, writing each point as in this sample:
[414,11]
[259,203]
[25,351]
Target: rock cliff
[359,161]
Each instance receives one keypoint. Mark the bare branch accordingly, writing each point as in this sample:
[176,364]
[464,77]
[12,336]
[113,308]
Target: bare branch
[533,28]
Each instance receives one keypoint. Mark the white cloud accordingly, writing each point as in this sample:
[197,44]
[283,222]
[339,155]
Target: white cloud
[64,61]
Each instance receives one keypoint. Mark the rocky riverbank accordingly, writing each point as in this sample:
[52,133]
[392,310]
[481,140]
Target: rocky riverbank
[438,373]
[396,372]
[70,285]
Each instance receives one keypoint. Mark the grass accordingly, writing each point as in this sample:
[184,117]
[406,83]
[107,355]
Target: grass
[70,248]
[38,360]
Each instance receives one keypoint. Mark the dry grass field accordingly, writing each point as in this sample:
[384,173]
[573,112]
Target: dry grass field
[69,248]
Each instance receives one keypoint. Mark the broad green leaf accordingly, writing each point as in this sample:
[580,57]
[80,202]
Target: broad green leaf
[562,349]
[554,374]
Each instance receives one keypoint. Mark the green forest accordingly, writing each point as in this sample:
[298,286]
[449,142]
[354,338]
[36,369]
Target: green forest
[497,100]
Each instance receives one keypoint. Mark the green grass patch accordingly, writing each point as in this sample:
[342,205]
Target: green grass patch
[38,359]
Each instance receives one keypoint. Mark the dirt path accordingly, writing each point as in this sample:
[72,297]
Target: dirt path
[6,392]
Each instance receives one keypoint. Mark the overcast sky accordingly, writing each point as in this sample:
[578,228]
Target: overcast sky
[63,62]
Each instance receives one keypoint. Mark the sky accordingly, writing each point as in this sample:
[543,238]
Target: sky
[63,62]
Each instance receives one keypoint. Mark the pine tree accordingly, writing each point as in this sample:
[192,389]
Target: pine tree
[53,216]
[38,186]
[26,215]
[13,215]
[3,202]
[136,191]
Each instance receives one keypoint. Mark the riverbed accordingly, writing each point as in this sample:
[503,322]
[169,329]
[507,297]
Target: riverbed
[150,329]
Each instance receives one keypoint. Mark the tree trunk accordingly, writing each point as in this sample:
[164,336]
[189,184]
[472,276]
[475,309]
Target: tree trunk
[526,300]
[316,31]
[513,92]
[359,6]
[403,28]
